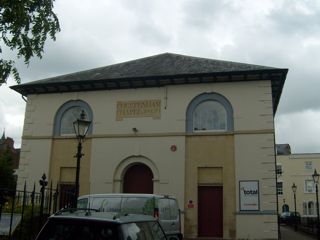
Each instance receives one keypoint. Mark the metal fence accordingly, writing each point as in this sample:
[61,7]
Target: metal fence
[23,213]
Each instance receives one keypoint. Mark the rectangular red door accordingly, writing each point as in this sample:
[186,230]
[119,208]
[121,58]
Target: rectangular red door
[210,211]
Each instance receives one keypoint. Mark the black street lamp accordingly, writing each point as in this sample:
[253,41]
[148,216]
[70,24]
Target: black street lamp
[81,127]
[294,190]
[315,178]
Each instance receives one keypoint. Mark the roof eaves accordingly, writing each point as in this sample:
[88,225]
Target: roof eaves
[149,81]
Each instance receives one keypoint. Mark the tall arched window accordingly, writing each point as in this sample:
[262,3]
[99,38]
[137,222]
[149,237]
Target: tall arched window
[209,112]
[67,114]
[310,208]
[304,208]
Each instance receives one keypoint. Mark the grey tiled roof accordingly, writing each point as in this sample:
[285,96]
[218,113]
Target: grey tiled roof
[157,71]
[166,64]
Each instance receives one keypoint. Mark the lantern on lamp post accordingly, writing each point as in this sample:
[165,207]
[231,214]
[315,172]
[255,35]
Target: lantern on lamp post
[81,127]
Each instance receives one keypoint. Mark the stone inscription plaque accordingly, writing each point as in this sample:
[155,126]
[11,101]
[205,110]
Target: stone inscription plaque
[136,109]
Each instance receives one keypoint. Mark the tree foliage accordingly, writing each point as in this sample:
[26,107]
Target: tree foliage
[24,27]
[7,177]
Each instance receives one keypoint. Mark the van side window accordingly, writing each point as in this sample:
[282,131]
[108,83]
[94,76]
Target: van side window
[140,205]
[82,203]
[164,209]
[95,203]
[174,209]
[110,205]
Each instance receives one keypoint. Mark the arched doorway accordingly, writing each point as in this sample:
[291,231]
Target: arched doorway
[138,179]
[285,208]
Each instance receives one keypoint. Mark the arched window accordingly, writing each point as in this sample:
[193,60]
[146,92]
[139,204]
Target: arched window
[285,208]
[304,208]
[310,208]
[209,112]
[67,114]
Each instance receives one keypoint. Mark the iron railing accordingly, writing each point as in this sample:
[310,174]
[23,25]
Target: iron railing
[23,213]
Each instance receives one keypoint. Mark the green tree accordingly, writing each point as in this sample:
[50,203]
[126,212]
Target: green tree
[24,27]
[7,177]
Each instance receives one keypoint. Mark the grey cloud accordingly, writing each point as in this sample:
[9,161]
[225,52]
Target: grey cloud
[296,17]
[299,130]
[301,92]
[63,57]
[204,14]
[148,33]
[281,33]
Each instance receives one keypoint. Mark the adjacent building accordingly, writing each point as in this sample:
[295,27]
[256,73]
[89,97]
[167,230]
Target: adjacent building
[296,169]
[199,129]
[7,146]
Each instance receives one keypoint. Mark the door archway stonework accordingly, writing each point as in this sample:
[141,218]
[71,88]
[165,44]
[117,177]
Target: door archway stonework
[125,164]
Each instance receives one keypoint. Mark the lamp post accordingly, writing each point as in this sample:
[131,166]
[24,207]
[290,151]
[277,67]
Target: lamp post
[294,190]
[315,177]
[43,183]
[81,127]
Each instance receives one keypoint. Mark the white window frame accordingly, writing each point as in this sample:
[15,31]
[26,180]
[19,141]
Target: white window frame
[63,109]
[204,97]
[308,165]
[306,190]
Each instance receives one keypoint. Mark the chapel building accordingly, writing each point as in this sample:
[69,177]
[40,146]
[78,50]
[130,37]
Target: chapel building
[199,129]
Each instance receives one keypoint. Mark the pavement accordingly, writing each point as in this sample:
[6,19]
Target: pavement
[288,233]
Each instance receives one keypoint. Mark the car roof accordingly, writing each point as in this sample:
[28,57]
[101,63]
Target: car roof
[101,216]
[125,195]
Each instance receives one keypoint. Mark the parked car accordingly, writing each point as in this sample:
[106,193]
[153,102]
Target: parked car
[162,207]
[91,225]
[290,218]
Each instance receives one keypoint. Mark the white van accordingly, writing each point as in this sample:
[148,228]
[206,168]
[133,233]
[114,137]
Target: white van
[163,207]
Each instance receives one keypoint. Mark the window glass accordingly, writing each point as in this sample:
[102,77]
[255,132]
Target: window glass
[279,169]
[310,208]
[164,209]
[309,186]
[210,115]
[280,188]
[96,203]
[143,205]
[136,231]
[174,210]
[308,165]
[71,229]
[82,203]
[285,208]
[110,204]
[67,119]
[143,231]
[304,208]
[156,231]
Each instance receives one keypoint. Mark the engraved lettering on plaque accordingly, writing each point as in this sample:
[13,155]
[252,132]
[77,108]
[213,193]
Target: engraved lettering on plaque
[136,109]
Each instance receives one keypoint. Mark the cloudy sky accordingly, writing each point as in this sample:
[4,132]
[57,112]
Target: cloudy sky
[277,33]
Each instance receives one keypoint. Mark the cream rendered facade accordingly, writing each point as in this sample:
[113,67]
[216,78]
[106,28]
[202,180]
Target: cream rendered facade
[298,169]
[220,159]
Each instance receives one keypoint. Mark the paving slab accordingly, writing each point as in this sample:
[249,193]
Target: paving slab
[288,233]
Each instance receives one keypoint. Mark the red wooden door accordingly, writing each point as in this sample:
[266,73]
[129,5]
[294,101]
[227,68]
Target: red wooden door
[66,195]
[210,211]
[138,179]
